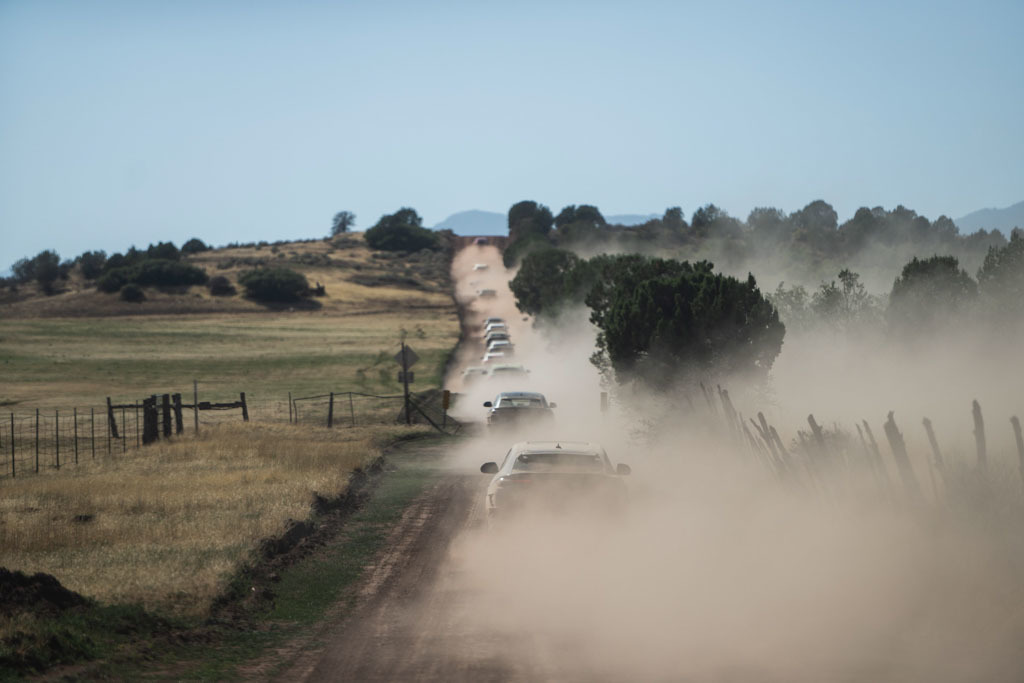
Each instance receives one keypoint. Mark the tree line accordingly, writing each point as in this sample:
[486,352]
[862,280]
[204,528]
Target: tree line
[659,319]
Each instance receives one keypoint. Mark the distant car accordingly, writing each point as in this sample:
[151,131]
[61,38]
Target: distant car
[481,266]
[496,335]
[516,408]
[492,356]
[555,476]
[494,327]
[488,321]
[480,241]
[473,373]
[507,371]
[502,345]
[486,293]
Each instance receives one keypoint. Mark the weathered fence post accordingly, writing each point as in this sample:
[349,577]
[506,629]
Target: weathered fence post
[111,422]
[195,403]
[109,413]
[165,414]
[92,431]
[124,440]
[56,437]
[351,409]
[74,412]
[899,454]
[150,423]
[289,407]
[138,435]
[979,438]
[939,464]
[37,440]
[245,407]
[178,426]
[13,473]
[330,411]
[1013,421]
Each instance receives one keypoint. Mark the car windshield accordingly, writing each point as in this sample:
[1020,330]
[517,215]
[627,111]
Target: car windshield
[558,462]
[523,402]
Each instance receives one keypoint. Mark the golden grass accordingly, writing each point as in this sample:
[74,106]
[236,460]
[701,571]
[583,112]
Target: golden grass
[168,526]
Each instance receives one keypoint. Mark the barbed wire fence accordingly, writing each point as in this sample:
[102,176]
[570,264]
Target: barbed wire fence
[47,440]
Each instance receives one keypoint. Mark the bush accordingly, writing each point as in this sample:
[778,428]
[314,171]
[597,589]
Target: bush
[162,273]
[91,263]
[221,286]
[194,246]
[165,251]
[274,284]
[113,280]
[401,231]
[132,293]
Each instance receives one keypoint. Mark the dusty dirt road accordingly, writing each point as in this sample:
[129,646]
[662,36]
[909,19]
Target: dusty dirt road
[416,617]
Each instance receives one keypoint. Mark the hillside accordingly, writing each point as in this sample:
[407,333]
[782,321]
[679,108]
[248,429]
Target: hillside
[1003,220]
[355,279]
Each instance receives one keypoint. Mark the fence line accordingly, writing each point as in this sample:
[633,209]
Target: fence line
[52,439]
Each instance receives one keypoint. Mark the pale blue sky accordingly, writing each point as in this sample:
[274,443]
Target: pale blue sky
[132,122]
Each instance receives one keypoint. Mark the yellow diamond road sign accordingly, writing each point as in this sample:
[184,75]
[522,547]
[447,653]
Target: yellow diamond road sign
[410,357]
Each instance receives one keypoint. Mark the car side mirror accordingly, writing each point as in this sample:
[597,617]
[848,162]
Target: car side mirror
[489,468]
[552,405]
[488,404]
[622,470]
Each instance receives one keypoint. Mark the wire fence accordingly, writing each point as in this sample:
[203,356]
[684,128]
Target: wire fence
[47,440]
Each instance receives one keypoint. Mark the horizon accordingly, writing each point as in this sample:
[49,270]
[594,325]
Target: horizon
[129,124]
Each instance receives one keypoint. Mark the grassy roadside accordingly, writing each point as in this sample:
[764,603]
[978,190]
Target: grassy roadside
[304,591]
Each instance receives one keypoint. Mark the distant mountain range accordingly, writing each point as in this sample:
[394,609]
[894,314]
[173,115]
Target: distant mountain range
[477,222]
[1003,220]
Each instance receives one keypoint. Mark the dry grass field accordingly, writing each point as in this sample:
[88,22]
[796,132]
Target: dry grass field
[168,525]
[81,345]
[167,529]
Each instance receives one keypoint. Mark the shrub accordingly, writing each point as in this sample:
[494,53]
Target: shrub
[163,273]
[91,263]
[133,293]
[274,284]
[113,280]
[165,251]
[401,231]
[221,286]
[194,246]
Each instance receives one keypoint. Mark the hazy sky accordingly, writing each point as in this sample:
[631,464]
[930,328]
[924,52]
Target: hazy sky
[131,122]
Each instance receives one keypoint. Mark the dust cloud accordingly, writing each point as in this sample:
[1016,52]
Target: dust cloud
[719,570]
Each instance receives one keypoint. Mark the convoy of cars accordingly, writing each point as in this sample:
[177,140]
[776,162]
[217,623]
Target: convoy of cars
[539,476]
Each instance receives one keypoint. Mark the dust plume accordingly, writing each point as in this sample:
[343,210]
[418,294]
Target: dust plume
[720,571]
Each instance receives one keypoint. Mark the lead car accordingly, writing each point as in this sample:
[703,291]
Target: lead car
[555,476]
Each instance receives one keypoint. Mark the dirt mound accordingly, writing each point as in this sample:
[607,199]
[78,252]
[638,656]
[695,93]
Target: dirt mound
[39,593]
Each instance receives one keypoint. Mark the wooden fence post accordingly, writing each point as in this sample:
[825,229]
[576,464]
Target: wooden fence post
[330,411]
[195,403]
[92,431]
[124,439]
[979,438]
[351,409]
[37,440]
[138,434]
[899,454]
[940,465]
[111,422]
[165,414]
[56,436]
[1013,421]
[178,426]
[245,407]
[74,413]
[13,473]
[150,430]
